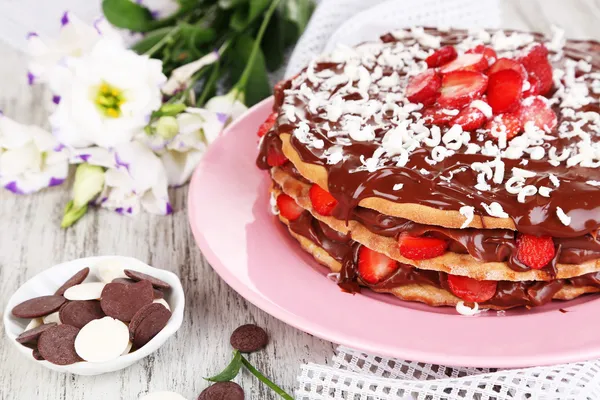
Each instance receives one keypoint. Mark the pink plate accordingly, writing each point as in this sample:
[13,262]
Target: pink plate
[252,251]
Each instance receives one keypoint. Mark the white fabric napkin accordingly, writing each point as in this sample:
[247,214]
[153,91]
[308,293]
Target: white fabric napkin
[353,374]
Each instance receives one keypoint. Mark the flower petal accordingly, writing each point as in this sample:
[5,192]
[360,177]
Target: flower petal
[180,166]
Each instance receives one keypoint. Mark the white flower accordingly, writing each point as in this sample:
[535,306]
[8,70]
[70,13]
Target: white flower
[180,153]
[50,58]
[30,158]
[180,77]
[161,8]
[138,181]
[112,93]
[227,107]
[126,179]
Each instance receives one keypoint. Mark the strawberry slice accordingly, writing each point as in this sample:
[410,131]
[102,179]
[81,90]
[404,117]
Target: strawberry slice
[537,65]
[421,248]
[536,110]
[288,207]
[509,123]
[469,118]
[471,290]
[532,87]
[466,62]
[423,88]
[441,56]
[373,267]
[461,87]
[535,251]
[507,63]
[322,201]
[436,115]
[267,125]
[504,90]
[488,53]
[275,157]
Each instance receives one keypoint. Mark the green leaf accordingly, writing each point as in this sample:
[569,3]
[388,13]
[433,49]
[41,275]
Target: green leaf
[150,39]
[228,4]
[257,86]
[230,371]
[282,393]
[244,16]
[273,42]
[127,15]
[296,14]
[72,214]
[195,36]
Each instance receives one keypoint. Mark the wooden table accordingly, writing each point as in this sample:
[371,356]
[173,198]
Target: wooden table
[31,240]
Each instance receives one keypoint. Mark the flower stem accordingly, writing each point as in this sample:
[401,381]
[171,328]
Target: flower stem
[264,379]
[163,41]
[261,32]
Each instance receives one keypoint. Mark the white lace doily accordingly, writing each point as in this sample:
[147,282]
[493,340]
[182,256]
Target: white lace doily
[353,21]
[359,376]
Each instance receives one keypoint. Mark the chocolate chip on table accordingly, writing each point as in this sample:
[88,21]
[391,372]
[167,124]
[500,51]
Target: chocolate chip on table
[33,334]
[38,306]
[139,276]
[147,323]
[122,301]
[57,345]
[249,338]
[79,313]
[222,391]
[158,293]
[74,280]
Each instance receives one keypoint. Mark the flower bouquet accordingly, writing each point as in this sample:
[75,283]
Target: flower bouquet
[139,94]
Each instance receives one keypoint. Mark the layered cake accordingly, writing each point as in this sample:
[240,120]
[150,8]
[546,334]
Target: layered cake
[448,167]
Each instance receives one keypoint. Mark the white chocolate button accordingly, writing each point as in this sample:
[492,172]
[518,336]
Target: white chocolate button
[85,291]
[34,323]
[52,318]
[109,270]
[163,302]
[163,396]
[102,340]
[127,349]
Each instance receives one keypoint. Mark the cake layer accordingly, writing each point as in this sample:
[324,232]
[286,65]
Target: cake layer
[409,283]
[346,124]
[450,262]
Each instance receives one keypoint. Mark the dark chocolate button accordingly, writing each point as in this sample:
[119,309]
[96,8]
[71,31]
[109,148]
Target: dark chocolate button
[57,345]
[33,334]
[149,322]
[79,313]
[249,338]
[38,307]
[122,301]
[74,280]
[158,294]
[36,354]
[139,276]
[222,391]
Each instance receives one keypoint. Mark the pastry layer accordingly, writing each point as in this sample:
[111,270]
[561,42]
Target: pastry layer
[450,262]
[513,294]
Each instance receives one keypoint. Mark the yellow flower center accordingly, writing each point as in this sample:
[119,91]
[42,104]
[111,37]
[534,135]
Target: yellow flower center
[109,99]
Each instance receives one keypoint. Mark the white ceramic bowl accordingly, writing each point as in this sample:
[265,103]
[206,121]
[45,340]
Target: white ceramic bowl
[47,282]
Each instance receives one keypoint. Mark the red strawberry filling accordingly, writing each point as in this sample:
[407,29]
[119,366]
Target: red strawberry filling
[374,267]
[471,290]
[466,62]
[461,87]
[535,252]
[275,157]
[421,248]
[504,90]
[322,201]
[267,125]
[288,207]
[423,88]
[441,56]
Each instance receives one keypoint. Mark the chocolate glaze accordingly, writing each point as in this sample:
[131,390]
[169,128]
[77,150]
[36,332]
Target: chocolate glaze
[508,294]
[536,216]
